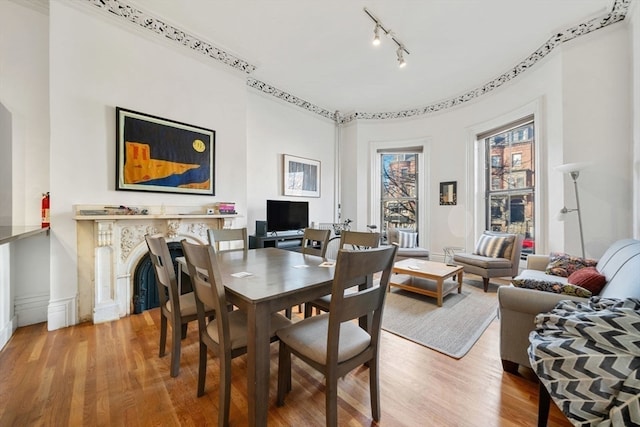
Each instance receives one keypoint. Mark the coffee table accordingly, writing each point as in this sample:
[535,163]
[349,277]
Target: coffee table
[426,277]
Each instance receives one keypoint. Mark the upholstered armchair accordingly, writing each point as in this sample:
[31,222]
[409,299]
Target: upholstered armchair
[407,241]
[495,255]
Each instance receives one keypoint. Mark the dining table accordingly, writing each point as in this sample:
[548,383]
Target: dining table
[262,282]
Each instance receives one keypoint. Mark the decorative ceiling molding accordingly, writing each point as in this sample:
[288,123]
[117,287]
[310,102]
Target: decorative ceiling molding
[121,9]
[146,21]
[291,99]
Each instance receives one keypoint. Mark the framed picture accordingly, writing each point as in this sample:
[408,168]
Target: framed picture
[161,155]
[448,193]
[301,177]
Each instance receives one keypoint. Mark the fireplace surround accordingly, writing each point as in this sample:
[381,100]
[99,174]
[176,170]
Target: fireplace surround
[111,244]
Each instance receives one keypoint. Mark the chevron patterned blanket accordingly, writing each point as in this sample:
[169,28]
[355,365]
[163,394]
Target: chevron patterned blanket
[587,355]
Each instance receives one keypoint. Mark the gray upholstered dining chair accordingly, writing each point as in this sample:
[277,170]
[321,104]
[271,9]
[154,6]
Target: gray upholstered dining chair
[175,309]
[226,335]
[228,235]
[358,240]
[332,343]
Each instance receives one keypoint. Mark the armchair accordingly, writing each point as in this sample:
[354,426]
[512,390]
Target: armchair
[407,241]
[496,255]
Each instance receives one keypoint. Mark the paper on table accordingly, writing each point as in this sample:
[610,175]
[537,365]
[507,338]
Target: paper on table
[242,274]
[327,264]
[301,266]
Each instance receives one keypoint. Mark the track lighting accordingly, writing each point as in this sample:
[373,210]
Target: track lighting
[376,35]
[401,61]
[376,38]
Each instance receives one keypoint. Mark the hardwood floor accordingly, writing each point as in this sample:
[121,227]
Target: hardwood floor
[110,374]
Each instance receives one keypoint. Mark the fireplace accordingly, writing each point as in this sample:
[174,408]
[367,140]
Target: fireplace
[145,288]
[111,247]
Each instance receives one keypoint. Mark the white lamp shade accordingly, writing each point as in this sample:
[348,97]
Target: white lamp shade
[571,167]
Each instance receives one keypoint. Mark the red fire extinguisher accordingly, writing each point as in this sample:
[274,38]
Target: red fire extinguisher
[45,210]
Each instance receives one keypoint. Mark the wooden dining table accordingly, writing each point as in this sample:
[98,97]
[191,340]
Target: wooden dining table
[262,282]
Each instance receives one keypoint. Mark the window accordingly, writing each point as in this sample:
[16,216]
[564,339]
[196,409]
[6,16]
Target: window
[510,180]
[399,189]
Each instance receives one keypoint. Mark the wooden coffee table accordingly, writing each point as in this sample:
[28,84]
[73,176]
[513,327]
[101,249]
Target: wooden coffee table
[426,277]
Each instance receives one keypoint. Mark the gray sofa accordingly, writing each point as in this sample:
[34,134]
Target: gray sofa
[620,264]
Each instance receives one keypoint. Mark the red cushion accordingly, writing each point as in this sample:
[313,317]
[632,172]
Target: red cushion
[588,278]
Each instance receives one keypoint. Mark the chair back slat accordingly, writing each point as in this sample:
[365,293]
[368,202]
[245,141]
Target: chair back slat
[165,274]
[206,279]
[228,235]
[309,239]
[359,240]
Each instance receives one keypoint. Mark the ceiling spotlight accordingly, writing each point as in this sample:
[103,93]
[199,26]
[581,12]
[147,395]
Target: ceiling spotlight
[401,61]
[376,35]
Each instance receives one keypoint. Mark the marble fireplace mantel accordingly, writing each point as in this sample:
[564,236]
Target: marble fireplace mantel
[110,246]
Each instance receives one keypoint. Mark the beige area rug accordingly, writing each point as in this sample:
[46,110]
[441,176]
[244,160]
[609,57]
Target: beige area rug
[451,329]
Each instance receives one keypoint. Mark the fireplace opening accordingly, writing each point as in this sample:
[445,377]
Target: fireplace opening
[145,290]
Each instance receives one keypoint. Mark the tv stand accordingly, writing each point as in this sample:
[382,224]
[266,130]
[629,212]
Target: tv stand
[277,239]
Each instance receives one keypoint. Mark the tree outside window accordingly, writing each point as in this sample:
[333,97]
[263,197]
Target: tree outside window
[399,192]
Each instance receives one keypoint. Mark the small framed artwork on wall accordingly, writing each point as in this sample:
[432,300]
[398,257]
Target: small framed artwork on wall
[448,193]
[162,155]
[301,176]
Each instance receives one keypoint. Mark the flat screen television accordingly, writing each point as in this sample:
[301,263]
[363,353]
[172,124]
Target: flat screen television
[286,215]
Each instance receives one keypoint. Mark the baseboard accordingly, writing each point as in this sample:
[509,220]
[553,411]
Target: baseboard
[62,313]
[31,309]
[7,331]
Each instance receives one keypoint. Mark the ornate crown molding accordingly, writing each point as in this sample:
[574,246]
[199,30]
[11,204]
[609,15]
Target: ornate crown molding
[146,21]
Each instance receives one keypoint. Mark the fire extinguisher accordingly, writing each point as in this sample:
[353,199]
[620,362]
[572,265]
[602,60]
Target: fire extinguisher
[45,210]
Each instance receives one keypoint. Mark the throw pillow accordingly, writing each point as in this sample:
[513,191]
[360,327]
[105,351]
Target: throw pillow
[407,239]
[555,287]
[492,246]
[588,278]
[561,264]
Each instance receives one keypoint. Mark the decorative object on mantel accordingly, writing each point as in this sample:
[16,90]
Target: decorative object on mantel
[301,176]
[95,212]
[161,155]
[448,193]
[224,208]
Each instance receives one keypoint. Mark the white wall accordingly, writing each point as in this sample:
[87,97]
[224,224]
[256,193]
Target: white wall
[96,66]
[580,92]
[273,129]
[634,25]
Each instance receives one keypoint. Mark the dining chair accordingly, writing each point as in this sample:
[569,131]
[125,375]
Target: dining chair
[228,235]
[311,239]
[358,240]
[226,335]
[175,309]
[332,343]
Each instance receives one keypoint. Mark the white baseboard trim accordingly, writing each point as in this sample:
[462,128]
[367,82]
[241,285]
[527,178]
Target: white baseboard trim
[106,312]
[62,313]
[31,309]
[7,331]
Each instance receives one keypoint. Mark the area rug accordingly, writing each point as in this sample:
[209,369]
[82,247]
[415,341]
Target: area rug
[451,329]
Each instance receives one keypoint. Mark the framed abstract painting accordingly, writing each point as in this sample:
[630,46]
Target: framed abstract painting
[301,176]
[162,155]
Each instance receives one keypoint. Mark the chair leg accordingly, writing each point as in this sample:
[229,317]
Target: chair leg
[485,282]
[176,333]
[163,335]
[287,313]
[544,401]
[185,326]
[284,372]
[225,391]
[374,389]
[331,400]
[202,368]
[308,308]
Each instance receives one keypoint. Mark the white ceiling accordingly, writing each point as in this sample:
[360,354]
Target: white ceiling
[321,50]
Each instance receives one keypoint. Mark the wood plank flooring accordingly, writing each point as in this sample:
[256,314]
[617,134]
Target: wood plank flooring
[110,375]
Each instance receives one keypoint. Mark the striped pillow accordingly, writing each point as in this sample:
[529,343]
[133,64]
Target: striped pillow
[407,239]
[493,246]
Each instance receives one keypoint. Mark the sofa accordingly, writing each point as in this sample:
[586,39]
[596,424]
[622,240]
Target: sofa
[518,306]
[407,240]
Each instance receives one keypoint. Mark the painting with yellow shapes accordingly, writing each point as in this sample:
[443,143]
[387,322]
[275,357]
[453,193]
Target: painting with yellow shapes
[162,155]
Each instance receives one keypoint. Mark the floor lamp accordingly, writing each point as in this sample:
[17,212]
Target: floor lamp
[573,169]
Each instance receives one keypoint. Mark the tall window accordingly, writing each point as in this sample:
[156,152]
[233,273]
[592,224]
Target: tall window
[399,189]
[510,180]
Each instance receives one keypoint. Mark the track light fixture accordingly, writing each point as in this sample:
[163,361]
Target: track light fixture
[376,38]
